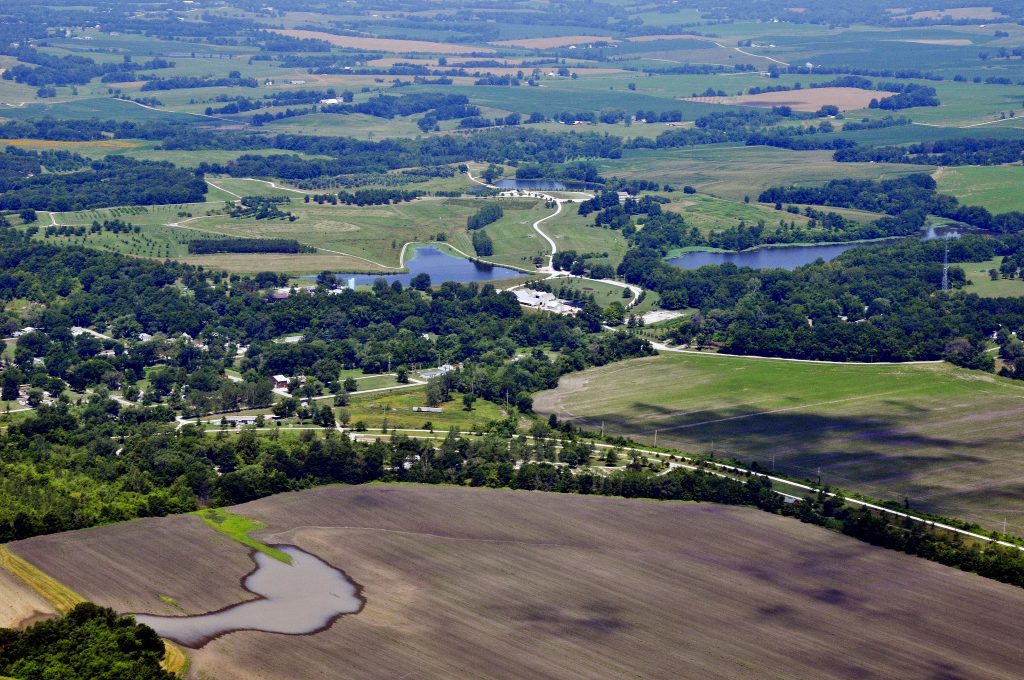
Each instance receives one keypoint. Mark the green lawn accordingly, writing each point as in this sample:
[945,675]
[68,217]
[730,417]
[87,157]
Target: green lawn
[982,283]
[946,438]
[604,293]
[395,407]
[997,187]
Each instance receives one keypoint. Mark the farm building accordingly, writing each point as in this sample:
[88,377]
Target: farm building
[280,382]
[239,421]
[539,299]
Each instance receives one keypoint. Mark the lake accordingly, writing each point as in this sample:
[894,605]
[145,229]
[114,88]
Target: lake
[786,257]
[530,184]
[303,597]
[441,267]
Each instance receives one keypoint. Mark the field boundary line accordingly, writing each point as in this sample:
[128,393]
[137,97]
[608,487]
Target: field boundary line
[50,589]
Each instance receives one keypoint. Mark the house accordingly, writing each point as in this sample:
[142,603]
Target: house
[439,371]
[280,382]
[239,421]
[331,100]
[428,409]
[24,331]
[145,337]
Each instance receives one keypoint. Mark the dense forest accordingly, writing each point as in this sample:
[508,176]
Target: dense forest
[877,303]
[87,642]
[71,182]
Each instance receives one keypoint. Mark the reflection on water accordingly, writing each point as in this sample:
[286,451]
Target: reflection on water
[295,599]
[786,257]
[441,267]
[530,184]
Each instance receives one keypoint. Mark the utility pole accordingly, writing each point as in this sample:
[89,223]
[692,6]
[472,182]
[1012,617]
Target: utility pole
[602,429]
[655,437]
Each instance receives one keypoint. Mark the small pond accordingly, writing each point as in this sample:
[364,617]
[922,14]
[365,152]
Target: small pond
[303,597]
[785,257]
[530,184]
[441,267]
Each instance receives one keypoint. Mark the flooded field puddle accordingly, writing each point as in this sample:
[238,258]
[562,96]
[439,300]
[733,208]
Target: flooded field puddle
[303,597]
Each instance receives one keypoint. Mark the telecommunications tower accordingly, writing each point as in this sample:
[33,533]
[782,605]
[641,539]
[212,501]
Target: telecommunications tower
[945,267]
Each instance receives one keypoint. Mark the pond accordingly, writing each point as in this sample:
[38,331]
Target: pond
[530,184]
[785,257]
[303,597]
[441,267]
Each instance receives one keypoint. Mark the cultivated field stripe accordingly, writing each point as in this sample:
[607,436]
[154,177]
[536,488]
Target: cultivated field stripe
[56,593]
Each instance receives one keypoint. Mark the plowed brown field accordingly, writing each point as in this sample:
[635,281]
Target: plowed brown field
[476,583]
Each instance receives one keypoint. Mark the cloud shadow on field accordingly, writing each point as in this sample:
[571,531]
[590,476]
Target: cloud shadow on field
[894,452]
[584,619]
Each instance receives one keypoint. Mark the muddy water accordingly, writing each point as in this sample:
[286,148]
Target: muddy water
[295,599]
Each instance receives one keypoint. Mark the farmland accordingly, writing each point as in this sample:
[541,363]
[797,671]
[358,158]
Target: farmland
[513,579]
[846,98]
[942,437]
[732,171]
[272,146]
[995,187]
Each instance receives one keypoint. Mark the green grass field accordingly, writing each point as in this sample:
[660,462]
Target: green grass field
[945,438]
[997,187]
[982,283]
[604,293]
[570,231]
[732,171]
[515,241]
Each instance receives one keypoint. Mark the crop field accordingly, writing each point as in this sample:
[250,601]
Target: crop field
[559,586]
[945,438]
[733,171]
[846,98]
[997,188]
[385,44]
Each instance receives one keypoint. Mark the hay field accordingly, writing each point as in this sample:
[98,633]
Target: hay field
[385,44]
[808,99]
[496,584]
[946,438]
